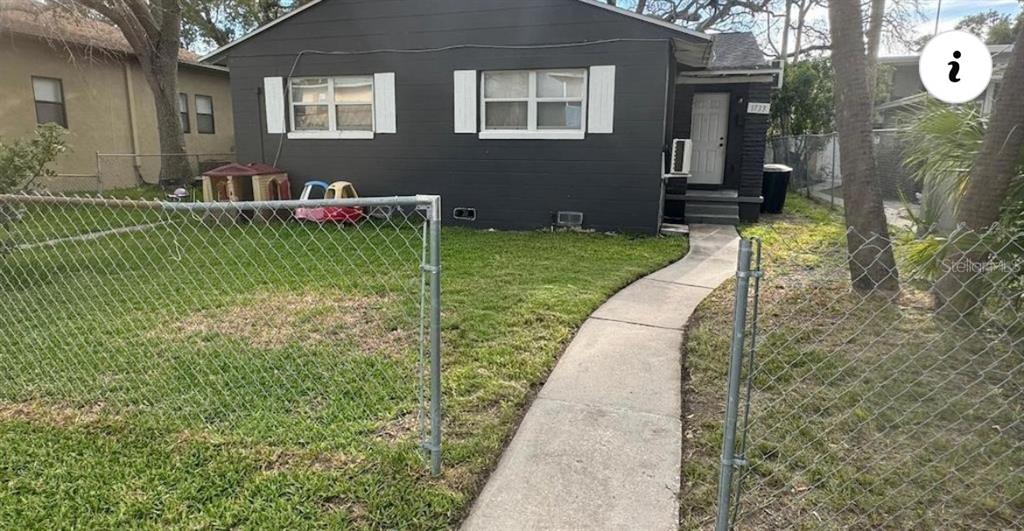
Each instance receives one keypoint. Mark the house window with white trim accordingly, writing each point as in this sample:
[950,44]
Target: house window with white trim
[326,107]
[534,103]
[204,115]
[49,98]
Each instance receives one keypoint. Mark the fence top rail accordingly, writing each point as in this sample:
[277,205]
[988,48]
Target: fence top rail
[98,154]
[408,201]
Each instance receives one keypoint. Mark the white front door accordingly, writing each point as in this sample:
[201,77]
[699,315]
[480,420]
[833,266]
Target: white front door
[709,129]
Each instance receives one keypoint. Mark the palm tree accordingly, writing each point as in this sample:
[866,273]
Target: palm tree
[991,179]
[872,265]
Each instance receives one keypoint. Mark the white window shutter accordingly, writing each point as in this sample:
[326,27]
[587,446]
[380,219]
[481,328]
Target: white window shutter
[465,101]
[384,112]
[601,115]
[273,99]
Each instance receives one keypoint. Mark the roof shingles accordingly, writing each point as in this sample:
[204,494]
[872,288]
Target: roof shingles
[731,51]
[28,17]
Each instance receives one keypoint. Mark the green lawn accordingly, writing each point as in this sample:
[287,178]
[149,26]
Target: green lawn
[208,376]
[867,413]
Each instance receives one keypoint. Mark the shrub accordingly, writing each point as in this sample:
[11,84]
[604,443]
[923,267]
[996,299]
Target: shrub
[25,160]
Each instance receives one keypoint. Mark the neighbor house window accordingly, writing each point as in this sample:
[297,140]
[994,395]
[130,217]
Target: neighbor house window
[49,96]
[204,115]
[332,107]
[542,103]
[186,125]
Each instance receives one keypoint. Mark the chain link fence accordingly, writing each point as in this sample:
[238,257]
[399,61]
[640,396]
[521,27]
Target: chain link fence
[815,160]
[233,322]
[124,170]
[127,170]
[884,410]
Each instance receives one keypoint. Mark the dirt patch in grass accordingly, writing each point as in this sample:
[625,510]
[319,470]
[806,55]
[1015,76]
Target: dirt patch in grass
[401,428]
[272,458]
[280,459]
[58,415]
[356,511]
[277,320]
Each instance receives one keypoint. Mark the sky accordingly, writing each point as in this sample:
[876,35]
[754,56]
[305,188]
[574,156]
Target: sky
[954,10]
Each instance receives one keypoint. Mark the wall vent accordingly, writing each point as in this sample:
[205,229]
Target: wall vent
[682,149]
[464,213]
[568,218]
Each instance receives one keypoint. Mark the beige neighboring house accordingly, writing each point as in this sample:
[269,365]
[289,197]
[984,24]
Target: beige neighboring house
[82,74]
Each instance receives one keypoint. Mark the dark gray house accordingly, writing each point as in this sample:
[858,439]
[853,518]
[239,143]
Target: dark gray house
[514,112]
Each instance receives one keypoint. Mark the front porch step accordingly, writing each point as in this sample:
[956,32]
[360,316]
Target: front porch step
[716,213]
[713,219]
[695,208]
[729,196]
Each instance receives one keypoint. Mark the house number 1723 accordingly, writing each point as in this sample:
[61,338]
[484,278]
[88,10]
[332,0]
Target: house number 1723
[759,108]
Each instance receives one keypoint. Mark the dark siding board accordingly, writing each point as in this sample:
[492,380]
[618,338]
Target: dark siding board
[352,25]
[613,179]
[753,151]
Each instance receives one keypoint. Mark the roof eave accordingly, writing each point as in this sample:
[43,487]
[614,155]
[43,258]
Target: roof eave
[113,52]
[217,55]
[649,20]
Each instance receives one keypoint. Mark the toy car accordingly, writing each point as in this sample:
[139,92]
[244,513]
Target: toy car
[337,190]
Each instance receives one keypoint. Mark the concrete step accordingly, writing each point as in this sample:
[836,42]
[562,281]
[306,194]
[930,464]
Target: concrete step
[712,212]
[713,219]
[719,209]
[674,229]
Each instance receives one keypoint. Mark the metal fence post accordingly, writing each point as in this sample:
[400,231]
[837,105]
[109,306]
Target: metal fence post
[434,269]
[728,460]
[832,190]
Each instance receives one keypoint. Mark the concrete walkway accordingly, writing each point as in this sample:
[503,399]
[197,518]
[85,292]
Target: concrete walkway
[600,446]
[895,211]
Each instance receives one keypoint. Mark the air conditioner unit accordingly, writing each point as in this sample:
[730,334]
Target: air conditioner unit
[682,149]
[566,218]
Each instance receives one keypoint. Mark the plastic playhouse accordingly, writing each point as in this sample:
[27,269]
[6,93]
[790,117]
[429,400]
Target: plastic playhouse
[337,190]
[245,182]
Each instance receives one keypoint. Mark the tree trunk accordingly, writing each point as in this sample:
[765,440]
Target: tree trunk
[162,77]
[801,18]
[153,29]
[995,166]
[872,266]
[785,32]
[874,44]
[960,289]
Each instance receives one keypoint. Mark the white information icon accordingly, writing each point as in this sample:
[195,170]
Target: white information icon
[956,67]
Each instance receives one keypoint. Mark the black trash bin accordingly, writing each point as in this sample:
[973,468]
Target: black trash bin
[774,186]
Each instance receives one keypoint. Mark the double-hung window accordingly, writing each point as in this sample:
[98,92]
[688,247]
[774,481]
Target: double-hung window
[204,115]
[534,104]
[49,98]
[332,107]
